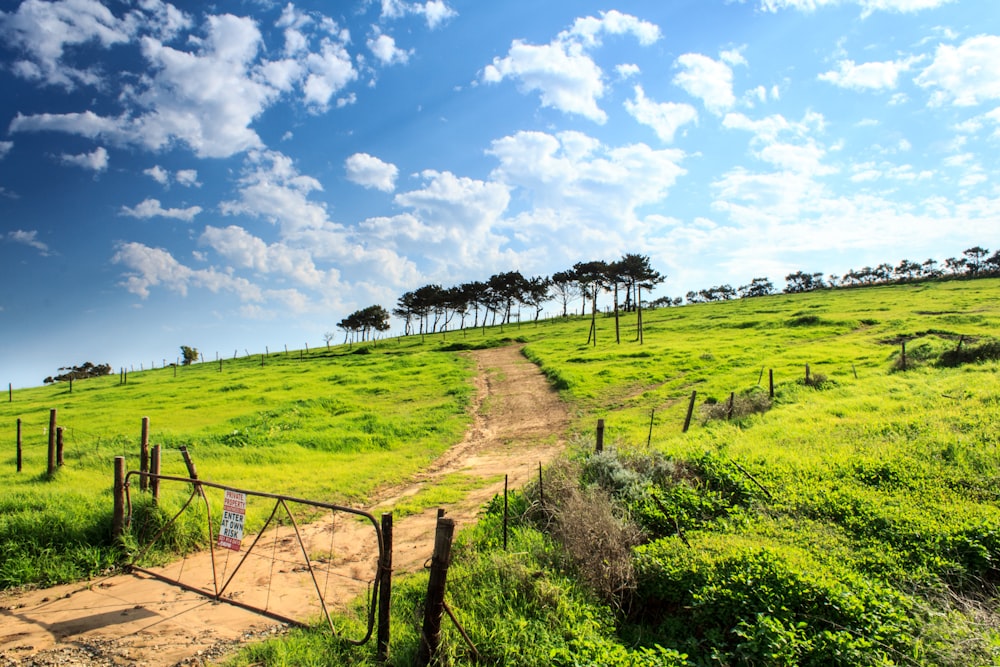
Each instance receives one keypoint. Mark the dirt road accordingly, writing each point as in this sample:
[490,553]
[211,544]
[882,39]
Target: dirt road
[518,421]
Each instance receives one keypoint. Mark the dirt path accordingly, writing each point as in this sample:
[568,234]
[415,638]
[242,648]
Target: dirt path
[518,421]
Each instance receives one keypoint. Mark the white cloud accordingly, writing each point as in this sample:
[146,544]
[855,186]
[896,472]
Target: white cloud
[96,160]
[711,81]
[5,147]
[188,178]
[566,78]
[163,19]
[371,172]
[665,117]
[28,238]
[436,12]
[867,76]
[42,30]
[151,267]
[330,71]
[868,7]
[158,174]
[965,75]
[247,251]
[151,208]
[627,70]
[273,189]
[385,50]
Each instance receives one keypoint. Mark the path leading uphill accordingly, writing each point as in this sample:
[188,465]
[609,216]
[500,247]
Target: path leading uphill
[518,421]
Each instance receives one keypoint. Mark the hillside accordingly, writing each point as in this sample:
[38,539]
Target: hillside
[852,520]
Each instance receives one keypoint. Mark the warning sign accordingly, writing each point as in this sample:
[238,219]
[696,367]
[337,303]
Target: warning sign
[234,512]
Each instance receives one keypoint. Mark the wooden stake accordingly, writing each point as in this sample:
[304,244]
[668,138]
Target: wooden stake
[770,375]
[154,470]
[652,416]
[732,402]
[385,589]
[687,420]
[59,446]
[52,442]
[600,436]
[144,454]
[505,520]
[430,636]
[19,445]
[118,517]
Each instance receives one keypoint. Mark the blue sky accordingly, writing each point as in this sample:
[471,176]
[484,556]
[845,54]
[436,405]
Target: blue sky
[235,175]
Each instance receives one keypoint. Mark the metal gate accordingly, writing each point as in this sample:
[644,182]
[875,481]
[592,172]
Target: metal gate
[319,562]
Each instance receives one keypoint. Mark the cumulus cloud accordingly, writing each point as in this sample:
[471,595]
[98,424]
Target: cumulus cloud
[384,48]
[5,147]
[244,250]
[151,208]
[868,7]
[96,160]
[272,188]
[42,31]
[867,76]
[148,267]
[561,72]
[28,238]
[965,75]
[711,81]
[371,172]
[187,177]
[158,174]
[664,117]
[435,12]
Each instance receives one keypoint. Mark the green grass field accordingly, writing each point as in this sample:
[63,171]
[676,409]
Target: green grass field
[852,520]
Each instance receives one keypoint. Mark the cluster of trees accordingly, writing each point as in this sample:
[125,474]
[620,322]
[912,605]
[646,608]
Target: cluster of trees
[362,324]
[975,262]
[499,299]
[83,371]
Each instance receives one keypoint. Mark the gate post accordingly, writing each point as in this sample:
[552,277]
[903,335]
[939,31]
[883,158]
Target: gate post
[118,518]
[430,636]
[385,589]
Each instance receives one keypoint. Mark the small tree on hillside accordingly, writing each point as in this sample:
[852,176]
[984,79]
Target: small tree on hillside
[189,355]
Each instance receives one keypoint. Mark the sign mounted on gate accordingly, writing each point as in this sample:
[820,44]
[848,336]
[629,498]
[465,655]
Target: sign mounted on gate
[234,512]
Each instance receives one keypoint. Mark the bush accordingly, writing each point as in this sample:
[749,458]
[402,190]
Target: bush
[754,401]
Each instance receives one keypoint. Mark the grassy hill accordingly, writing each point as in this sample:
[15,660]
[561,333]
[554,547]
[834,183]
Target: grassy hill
[851,519]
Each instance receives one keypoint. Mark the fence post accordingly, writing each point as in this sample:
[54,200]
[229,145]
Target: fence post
[541,488]
[770,382]
[385,589]
[144,454]
[154,469]
[904,355]
[430,636]
[687,420]
[19,444]
[600,436]
[59,446]
[807,374]
[118,518]
[505,520]
[652,417]
[52,442]
[732,403]
[10,392]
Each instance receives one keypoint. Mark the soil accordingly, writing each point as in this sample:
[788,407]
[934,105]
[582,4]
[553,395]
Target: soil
[136,619]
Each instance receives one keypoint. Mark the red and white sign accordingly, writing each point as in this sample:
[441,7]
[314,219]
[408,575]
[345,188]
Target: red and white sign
[234,512]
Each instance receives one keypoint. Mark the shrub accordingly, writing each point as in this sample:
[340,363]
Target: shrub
[739,406]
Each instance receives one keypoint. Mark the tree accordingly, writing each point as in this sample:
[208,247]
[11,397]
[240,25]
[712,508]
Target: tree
[592,277]
[564,287]
[803,282]
[974,258]
[81,372]
[639,272]
[993,263]
[189,355]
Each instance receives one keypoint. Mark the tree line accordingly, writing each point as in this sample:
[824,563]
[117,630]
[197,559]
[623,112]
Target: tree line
[498,300]
[975,262]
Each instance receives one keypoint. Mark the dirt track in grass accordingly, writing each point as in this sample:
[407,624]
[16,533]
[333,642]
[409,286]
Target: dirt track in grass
[134,619]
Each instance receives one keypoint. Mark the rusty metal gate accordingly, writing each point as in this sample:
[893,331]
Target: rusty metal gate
[280,528]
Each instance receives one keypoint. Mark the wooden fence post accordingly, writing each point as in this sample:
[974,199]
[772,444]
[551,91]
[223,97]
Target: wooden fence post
[652,417]
[505,520]
[385,589]
[770,382]
[904,355]
[541,489]
[687,420]
[59,446]
[118,518]
[732,403]
[600,436]
[430,636]
[144,454]
[19,444]
[52,442]
[154,469]
[808,377]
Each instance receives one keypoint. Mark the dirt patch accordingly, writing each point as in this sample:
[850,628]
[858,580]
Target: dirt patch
[518,422]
